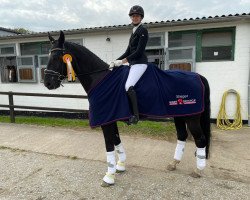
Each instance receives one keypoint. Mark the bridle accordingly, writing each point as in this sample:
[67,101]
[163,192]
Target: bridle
[59,75]
[62,77]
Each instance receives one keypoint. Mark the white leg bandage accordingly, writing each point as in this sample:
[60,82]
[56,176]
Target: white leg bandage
[111,162]
[179,150]
[121,156]
[110,175]
[135,74]
[121,152]
[201,158]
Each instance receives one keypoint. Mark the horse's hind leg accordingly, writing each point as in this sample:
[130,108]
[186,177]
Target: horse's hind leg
[182,135]
[194,126]
[112,142]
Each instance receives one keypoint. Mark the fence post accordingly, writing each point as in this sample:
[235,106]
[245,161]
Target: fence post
[11,105]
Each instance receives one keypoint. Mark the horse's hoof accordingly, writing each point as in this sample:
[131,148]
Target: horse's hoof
[196,173]
[108,180]
[104,184]
[120,171]
[171,167]
[133,120]
[120,167]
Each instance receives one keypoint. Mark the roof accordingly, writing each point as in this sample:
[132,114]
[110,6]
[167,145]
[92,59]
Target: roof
[8,30]
[156,24]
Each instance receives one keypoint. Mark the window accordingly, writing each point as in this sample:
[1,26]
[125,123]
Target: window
[7,50]
[217,46]
[155,49]
[181,39]
[176,54]
[45,48]
[181,50]
[35,48]
[210,44]
[26,69]
[155,40]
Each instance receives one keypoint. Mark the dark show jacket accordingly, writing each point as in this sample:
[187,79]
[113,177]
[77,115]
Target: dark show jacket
[135,52]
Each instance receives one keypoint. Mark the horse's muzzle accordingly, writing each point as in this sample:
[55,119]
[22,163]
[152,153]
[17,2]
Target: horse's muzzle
[51,83]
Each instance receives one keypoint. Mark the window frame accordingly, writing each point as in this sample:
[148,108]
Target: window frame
[198,45]
[215,30]
[38,46]
[7,45]
[158,34]
[41,67]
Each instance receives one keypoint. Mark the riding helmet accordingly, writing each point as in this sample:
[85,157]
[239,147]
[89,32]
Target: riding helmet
[136,10]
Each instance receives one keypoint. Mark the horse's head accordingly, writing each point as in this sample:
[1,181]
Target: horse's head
[56,69]
[11,73]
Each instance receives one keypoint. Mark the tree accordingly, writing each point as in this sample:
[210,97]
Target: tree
[23,30]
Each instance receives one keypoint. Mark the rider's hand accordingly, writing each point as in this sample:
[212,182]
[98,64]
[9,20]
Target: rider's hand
[118,63]
[112,65]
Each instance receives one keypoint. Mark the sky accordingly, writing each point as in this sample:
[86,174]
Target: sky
[53,15]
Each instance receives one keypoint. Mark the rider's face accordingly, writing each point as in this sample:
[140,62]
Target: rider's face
[136,19]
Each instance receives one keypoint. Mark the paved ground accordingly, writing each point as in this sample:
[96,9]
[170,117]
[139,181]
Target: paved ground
[54,163]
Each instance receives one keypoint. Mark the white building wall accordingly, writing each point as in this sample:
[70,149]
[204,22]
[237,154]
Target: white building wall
[107,50]
[225,75]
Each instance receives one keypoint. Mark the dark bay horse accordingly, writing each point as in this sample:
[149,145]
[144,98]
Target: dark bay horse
[89,69]
[12,76]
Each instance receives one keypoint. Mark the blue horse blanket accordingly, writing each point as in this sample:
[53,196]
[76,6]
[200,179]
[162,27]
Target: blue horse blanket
[160,94]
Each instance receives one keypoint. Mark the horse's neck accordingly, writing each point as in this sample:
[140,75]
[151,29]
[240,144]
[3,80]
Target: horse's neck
[89,68]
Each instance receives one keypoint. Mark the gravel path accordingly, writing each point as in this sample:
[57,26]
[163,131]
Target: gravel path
[35,176]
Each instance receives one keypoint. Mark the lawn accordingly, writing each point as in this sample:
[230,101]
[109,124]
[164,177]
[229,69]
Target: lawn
[160,130]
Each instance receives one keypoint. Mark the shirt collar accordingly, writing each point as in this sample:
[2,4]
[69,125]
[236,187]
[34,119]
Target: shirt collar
[135,27]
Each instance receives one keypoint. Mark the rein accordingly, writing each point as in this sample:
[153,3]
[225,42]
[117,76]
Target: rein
[60,76]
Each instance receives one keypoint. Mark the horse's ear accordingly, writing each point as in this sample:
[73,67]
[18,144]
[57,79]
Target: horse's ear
[61,38]
[52,40]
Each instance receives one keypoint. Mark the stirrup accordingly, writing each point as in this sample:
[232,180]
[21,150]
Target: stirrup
[133,120]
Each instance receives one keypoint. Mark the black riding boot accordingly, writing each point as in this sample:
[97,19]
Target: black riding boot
[133,104]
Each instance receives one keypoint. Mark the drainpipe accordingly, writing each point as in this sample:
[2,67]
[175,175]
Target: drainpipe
[249,97]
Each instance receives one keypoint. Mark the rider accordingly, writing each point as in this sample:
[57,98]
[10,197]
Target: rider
[135,56]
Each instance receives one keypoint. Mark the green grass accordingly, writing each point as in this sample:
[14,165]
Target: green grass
[47,121]
[160,130]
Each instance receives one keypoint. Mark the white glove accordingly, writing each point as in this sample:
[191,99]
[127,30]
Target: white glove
[118,63]
[111,65]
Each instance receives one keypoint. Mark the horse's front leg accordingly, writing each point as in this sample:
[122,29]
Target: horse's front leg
[182,135]
[112,143]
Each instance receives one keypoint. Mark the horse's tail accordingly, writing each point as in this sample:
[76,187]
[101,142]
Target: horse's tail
[205,116]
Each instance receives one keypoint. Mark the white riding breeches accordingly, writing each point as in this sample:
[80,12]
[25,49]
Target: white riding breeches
[135,73]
